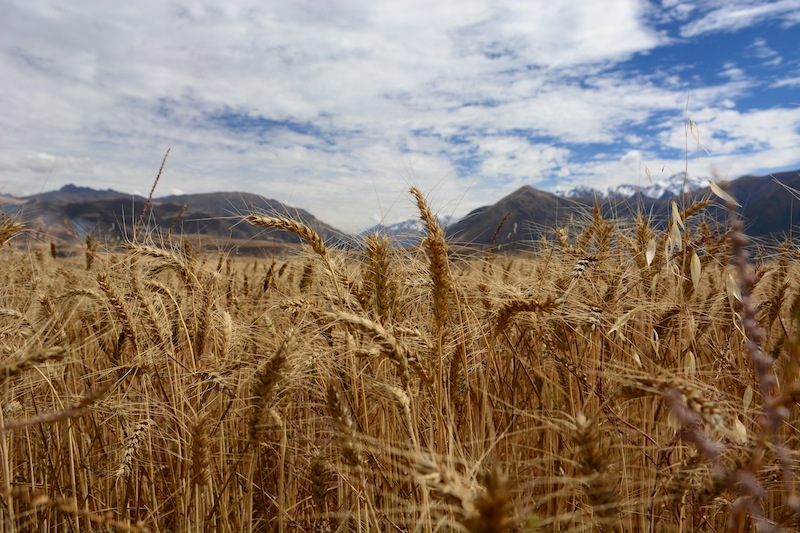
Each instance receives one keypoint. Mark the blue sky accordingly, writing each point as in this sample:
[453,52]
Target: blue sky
[338,107]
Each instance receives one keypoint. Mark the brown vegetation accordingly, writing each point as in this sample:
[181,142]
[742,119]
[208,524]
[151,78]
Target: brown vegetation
[619,377]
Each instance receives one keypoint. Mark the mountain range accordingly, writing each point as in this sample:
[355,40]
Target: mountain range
[111,216]
[674,185]
[405,232]
[522,216]
[528,213]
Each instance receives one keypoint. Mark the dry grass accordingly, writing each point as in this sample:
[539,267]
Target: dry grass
[625,376]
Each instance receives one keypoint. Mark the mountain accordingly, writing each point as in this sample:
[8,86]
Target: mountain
[9,201]
[767,205]
[669,187]
[73,193]
[406,232]
[520,216]
[767,209]
[111,216]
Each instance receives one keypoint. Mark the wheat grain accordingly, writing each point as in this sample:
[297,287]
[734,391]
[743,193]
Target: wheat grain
[29,359]
[597,479]
[298,228]
[439,265]
[8,229]
[133,442]
[345,429]
[200,451]
[493,508]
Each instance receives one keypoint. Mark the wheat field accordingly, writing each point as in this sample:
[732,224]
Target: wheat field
[618,375]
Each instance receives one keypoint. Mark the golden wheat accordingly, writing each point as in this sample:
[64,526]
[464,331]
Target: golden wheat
[626,375]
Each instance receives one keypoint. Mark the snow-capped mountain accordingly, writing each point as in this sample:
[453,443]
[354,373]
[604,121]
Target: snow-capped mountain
[666,188]
[405,232]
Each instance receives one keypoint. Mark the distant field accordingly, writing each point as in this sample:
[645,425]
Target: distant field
[615,377]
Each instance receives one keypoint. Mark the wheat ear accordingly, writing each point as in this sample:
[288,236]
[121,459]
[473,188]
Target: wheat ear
[775,414]
[523,305]
[378,275]
[345,429]
[293,226]
[17,365]
[133,442]
[597,480]
[8,229]
[310,236]
[320,474]
[439,264]
[264,384]
[493,508]
[119,309]
[200,451]
[396,352]
[168,259]
[69,506]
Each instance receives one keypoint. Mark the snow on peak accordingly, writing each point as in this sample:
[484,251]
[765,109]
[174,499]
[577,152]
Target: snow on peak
[405,232]
[665,188]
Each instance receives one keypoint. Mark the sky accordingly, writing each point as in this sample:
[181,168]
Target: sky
[339,106]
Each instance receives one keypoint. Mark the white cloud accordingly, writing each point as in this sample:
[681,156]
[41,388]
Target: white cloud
[345,103]
[761,50]
[519,162]
[728,141]
[732,72]
[788,82]
[734,15]
[725,132]
[38,162]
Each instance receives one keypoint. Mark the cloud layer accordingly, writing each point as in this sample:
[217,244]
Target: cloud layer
[338,107]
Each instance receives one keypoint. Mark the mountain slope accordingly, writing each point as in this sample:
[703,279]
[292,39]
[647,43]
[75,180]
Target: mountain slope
[73,193]
[767,208]
[111,215]
[528,209]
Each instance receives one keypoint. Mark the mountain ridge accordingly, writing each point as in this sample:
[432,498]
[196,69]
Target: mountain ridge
[111,215]
[766,209]
[526,214]
[675,185]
